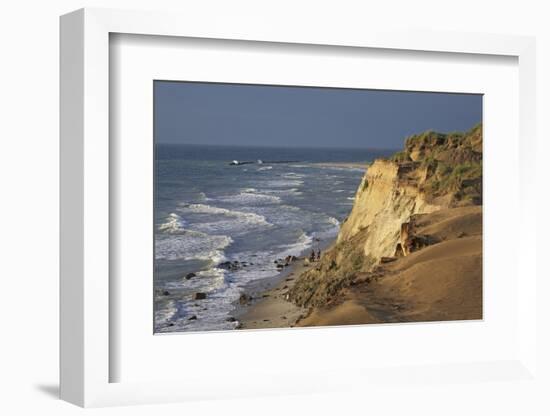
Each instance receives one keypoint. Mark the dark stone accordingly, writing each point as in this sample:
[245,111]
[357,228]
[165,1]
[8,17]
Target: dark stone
[165,293]
[244,299]
[231,319]
[199,296]
[193,318]
[190,275]
[231,265]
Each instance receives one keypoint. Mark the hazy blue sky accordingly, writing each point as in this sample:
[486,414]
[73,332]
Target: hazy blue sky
[234,114]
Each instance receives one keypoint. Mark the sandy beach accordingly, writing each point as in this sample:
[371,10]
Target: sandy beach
[272,308]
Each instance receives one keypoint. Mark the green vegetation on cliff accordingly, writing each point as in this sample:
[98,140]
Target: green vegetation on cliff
[452,164]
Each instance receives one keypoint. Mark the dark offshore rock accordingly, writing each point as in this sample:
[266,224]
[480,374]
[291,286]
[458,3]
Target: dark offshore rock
[193,318]
[199,296]
[231,319]
[165,293]
[190,275]
[232,265]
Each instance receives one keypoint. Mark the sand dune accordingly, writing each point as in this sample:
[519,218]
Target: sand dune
[440,282]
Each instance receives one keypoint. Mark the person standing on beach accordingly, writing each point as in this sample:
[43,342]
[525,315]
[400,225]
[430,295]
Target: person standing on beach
[318,254]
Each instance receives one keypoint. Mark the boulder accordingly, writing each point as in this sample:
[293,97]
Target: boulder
[199,296]
[231,265]
[190,275]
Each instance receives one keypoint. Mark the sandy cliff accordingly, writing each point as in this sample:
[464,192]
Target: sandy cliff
[436,179]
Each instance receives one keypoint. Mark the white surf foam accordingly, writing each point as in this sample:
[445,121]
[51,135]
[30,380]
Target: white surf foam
[188,245]
[284,183]
[173,224]
[251,197]
[283,192]
[249,217]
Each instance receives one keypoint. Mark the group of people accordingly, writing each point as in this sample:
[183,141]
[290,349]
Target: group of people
[315,257]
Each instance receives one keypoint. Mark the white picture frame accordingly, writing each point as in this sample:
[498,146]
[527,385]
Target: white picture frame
[86,355]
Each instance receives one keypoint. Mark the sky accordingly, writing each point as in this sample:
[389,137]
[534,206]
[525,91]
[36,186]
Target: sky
[263,115]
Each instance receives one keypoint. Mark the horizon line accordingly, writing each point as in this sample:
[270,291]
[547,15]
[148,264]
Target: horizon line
[278,147]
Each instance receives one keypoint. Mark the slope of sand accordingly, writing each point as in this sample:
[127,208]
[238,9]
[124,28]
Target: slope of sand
[440,282]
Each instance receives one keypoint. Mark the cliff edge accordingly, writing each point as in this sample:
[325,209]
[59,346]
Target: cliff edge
[421,197]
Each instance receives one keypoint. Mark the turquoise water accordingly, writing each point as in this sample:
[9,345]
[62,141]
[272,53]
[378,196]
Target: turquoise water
[208,212]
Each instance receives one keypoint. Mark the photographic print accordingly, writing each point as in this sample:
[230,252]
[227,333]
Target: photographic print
[289,206]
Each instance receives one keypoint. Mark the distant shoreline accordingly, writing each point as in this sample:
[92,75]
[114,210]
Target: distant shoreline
[343,165]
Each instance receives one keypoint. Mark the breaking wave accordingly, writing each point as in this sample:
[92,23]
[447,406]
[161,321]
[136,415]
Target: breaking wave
[209,209]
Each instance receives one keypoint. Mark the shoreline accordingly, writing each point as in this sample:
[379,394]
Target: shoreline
[269,307]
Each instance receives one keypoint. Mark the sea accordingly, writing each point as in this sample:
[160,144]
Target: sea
[276,202]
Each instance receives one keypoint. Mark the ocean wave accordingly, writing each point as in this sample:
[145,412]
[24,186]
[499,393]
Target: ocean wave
[331,231]
[189,245]
[248,217]
[283,192]
[293,175]
[251,197]
[203,197]
[334,221]
[284,183]
[303,242]
[173,224]
[265,168]
[163,315]
[300,166]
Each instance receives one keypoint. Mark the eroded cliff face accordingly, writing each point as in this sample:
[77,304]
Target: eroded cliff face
[434,171]
[388,195]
